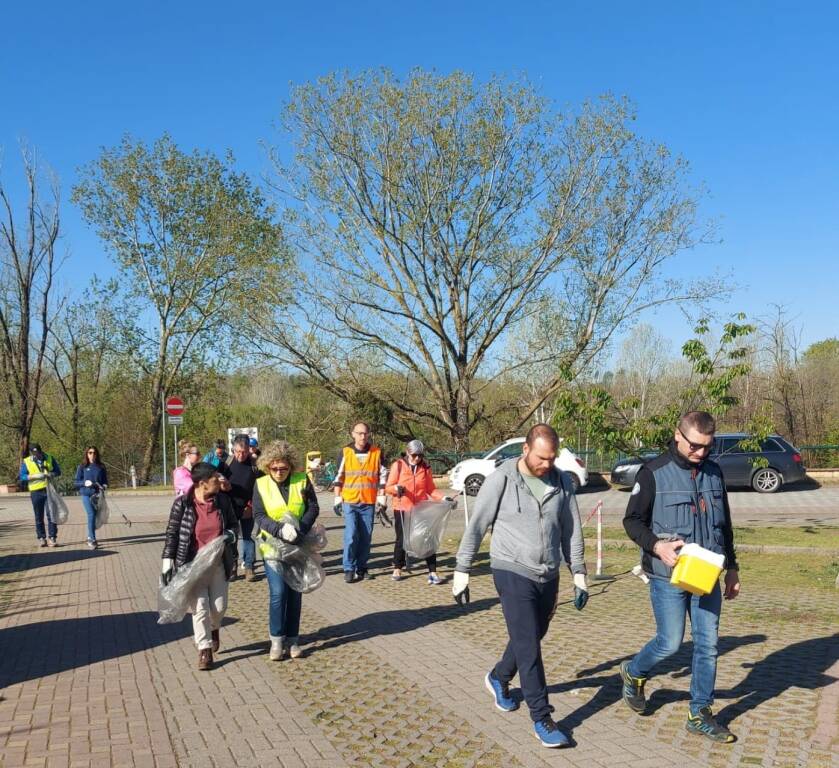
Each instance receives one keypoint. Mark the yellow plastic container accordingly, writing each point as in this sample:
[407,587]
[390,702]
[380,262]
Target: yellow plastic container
[697,569]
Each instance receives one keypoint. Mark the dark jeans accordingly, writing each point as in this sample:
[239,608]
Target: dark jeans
[39,502]
[399,558]
[284,604]
[527,607]
[358,532]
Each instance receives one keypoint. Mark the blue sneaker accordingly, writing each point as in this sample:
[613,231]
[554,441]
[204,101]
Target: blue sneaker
[501,692]
[548,733]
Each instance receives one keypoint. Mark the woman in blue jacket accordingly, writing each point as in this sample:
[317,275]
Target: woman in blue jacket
[90,478]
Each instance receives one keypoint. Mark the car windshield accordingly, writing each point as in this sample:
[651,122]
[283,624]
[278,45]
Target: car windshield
[505,451]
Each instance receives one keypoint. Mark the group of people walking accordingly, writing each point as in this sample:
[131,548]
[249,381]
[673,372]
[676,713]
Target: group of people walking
[530,505]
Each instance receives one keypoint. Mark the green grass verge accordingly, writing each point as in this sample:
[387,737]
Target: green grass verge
[822,536]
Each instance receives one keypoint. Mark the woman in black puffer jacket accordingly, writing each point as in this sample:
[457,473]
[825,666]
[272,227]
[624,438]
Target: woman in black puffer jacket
[197,518]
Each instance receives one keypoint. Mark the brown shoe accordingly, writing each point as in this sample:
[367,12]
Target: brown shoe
[249,574]
[215,641]
[205,660]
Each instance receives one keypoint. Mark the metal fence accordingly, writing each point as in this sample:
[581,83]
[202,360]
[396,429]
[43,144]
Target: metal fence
[820,456]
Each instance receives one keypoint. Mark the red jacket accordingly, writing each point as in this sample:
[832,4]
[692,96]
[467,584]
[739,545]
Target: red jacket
[417,482]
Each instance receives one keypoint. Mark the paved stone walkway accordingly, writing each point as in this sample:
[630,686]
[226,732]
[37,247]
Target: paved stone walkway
[392,675]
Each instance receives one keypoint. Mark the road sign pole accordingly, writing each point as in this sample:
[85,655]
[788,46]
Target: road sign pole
[175,454]
[163,425]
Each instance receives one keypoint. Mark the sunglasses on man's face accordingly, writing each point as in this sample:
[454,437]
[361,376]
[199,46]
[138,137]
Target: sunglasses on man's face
[696,447]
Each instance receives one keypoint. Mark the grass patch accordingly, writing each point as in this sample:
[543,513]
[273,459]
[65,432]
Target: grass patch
[821,536]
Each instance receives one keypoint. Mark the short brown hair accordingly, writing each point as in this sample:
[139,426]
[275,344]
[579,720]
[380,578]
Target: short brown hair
[542,432]
[701,421]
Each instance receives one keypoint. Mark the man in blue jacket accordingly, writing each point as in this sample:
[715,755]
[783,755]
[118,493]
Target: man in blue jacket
[679,498]
[36,470]
[531,506]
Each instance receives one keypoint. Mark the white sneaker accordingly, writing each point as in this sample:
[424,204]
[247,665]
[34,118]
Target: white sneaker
[295,651]
[277,652]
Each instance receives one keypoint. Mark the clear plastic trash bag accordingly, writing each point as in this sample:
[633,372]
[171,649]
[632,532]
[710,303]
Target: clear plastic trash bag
[301,564]
[423,527]
[56,507]
[175,599]
[102,507]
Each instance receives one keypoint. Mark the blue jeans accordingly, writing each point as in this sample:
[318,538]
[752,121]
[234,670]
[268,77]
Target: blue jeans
[87,503]
[39,503]
[284,604]
[671,605]
[358,532]
[247,546]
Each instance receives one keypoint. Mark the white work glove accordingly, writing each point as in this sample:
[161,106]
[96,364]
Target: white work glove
[88,483]
[288,533]
[167,566]
[580,591]
[460,587]
[381,500]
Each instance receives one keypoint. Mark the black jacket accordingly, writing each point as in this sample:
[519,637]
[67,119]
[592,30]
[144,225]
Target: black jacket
[180,544]
[637,521]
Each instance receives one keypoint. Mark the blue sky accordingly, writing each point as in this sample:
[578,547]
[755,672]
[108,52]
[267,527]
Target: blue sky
[745,90]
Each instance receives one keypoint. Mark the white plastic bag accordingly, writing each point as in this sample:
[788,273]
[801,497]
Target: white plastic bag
[423,527]
[174,600]
[301,565]
[56,507]
[102,507]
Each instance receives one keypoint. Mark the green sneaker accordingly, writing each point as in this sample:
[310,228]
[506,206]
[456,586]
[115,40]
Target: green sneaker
[633,690]
[704,723]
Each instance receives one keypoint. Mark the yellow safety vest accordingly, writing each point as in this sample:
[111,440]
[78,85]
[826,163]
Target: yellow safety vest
[361,481]
[33,470]
[276,507]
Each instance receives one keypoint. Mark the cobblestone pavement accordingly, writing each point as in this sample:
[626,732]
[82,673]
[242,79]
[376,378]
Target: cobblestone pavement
[392,673]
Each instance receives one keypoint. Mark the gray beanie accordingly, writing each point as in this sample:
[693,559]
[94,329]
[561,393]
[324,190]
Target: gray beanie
[415,447]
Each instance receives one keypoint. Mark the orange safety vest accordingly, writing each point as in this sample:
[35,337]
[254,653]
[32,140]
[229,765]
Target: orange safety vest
[361,481]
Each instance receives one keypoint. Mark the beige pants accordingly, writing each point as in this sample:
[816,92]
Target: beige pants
[208,606]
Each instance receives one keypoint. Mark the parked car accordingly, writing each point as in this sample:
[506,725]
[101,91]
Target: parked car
[783,463]
[469,475]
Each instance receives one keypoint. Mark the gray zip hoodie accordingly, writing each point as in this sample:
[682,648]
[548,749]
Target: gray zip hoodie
[528,538]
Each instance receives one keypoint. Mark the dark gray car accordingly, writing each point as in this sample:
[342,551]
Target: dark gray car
[783,464]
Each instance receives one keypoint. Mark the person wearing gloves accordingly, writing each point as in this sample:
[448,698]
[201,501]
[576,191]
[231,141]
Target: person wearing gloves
[198,517]
[532,509]
[359,494]
[36,470]
[410,481]
[91,477]
[679,498]
[280,493]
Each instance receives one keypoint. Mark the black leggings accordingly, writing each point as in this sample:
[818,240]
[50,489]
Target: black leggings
[399,550]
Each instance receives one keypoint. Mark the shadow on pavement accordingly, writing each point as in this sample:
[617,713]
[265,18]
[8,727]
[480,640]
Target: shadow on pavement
[609,686]
[31,651]
[46,557]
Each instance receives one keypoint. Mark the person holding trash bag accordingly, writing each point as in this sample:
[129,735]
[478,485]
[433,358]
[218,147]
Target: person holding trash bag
[282,494]
[243,477]
[197,518]
[359,494]
[91,477]
[679,498]
[532,509]
[410,481]
[36,470]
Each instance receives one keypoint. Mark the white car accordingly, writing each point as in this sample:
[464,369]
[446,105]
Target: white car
[469,475]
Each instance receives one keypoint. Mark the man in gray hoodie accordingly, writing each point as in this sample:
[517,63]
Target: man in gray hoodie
[536,527]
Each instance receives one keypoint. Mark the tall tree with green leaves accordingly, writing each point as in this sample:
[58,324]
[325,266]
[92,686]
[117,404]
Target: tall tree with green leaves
[434,217]
[194,242]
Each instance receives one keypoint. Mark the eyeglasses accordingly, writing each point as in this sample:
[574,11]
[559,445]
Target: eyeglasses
[278,470]
[361,434]
[416,455]
[91,453]
[696,447]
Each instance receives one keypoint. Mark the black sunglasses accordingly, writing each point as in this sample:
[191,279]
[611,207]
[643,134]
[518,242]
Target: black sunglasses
[696,447]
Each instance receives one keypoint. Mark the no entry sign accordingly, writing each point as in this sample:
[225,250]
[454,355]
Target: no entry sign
[174,406]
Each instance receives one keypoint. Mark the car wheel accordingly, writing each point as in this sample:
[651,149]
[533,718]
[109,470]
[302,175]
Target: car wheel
[766,481]
[473,484]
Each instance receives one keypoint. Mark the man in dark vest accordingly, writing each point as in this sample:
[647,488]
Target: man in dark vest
[680,498]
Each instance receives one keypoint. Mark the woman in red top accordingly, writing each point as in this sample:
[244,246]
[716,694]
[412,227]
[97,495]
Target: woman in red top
[409,482]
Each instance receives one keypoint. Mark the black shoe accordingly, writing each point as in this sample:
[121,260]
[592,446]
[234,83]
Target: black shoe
[633,690]
[704,723]
[349,576]
[366,575]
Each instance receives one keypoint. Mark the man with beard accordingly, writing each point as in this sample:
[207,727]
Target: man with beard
[536,527]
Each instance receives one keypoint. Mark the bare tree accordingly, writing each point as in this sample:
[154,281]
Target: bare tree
[29,263]
[434,218]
